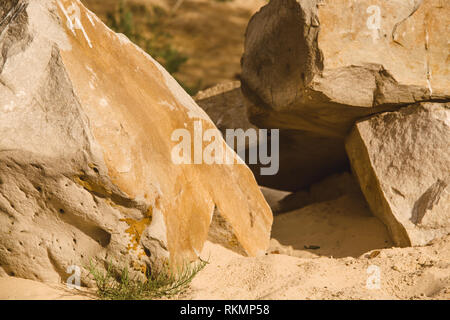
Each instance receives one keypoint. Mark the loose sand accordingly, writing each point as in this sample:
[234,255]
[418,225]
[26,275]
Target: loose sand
[410,273]
[349,245]
[289,273]
[21,289]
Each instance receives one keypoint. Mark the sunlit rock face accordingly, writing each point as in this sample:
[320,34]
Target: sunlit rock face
[402,161]
[86,154]
[314,67]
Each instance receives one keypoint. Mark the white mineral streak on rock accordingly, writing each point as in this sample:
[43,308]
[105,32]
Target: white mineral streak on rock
[89,16]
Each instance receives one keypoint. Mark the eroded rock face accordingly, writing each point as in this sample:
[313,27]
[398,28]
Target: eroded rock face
[402,161]
[314,67]
[86,120]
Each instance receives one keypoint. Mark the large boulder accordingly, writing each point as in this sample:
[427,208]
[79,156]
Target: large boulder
[314,67]
[402,161]
[86,167]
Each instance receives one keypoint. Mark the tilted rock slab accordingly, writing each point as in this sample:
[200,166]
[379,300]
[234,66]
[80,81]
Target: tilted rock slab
[402,162]
[86,173]
[313,67]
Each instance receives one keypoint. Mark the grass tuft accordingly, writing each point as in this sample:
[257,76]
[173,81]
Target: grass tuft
[162,283]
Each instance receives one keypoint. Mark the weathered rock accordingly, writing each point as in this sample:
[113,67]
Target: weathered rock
[316,66]
[86,120]
[225,105]
[402,161]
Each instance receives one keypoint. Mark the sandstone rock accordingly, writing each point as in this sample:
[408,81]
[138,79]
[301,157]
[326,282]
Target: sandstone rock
[316,66]
[402,162]
[86,120]
[225,105]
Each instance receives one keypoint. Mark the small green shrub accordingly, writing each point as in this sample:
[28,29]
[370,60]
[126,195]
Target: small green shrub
[159,284]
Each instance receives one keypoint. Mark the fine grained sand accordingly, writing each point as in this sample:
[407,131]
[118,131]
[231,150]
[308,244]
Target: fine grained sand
[21,289]
[341,228]
[350,244]
[408,273]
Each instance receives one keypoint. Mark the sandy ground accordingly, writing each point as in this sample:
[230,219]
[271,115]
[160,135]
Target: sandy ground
[339,228]
[410,273]
[21,289]
[333,249]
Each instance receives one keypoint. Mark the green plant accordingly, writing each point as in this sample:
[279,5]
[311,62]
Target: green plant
[157,43]
[159,283]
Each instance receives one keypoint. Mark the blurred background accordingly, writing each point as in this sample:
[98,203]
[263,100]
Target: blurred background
[200,42]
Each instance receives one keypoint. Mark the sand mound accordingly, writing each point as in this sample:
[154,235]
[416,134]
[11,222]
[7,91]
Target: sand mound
[21,289]
[338,228]
[410,273]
